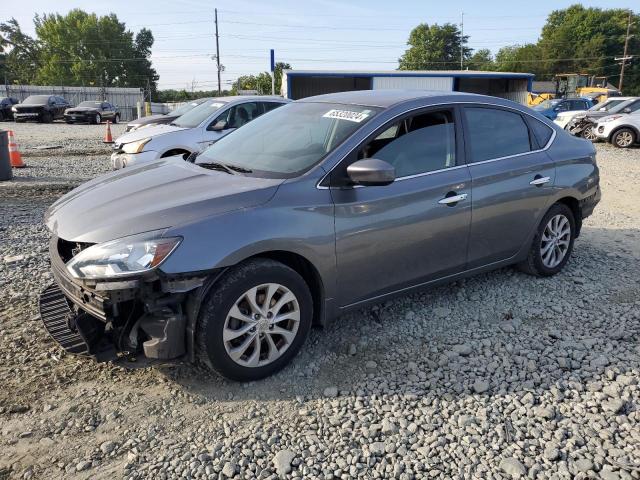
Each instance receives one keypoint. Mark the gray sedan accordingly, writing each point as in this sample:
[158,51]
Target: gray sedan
[321,206]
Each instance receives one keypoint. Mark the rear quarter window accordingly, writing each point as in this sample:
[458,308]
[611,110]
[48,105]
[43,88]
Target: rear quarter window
[541,131]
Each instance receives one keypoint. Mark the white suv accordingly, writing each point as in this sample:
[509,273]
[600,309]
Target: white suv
[192,132]
[621,130]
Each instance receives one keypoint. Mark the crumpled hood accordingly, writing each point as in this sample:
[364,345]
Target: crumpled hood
[152,131]
[153,196]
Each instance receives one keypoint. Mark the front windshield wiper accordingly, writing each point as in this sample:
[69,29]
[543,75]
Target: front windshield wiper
[216,166]
[239,169]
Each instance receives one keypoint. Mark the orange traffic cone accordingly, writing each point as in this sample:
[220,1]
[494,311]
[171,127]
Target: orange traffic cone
[107,136]
[14,154]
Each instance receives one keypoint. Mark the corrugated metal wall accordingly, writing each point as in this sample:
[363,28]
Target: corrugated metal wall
[514,89]
[442,84]
[125,98]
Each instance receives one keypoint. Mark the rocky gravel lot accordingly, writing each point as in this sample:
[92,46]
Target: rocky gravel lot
[498,376]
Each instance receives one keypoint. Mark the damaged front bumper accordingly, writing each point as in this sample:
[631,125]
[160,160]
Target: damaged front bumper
[151,314]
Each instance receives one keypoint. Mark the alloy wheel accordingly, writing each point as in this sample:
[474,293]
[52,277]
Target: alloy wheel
[556,238]
[261,325]
[589,134]
[624,139]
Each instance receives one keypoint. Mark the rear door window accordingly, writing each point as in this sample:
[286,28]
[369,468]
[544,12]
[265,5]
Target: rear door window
[268,106]
[494,133]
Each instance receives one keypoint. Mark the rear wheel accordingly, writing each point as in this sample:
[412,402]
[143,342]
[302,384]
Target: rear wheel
[624,138]
[116,118]
[47,117]
[254,321]
[553,243]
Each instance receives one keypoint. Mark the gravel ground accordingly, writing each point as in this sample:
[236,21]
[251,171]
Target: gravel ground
[498,376]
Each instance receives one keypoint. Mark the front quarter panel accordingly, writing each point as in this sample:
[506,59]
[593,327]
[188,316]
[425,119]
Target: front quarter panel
[298,219]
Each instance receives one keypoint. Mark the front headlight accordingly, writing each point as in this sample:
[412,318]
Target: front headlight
[135,147]
[14,109]
[126,256]
[610,119]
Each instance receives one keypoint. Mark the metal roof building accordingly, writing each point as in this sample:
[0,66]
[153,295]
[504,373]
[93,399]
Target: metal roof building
[298,84]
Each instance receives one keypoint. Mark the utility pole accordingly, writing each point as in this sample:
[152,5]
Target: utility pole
[218,52]
[461,40]
[624,58]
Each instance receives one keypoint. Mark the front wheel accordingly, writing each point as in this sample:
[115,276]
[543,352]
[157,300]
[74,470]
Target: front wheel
[624,138]
[254,320]
[97,119]
[552,244]
[589,133]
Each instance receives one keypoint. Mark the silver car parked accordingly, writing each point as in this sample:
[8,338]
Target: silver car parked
[318,207]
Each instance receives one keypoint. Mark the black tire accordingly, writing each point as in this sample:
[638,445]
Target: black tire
[210,347]
[534,265]
[97,119]
[2,116]
[47,118]
[116,118]
[621,138]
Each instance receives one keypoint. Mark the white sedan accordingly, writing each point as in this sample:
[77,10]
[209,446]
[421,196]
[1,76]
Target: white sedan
[192,132]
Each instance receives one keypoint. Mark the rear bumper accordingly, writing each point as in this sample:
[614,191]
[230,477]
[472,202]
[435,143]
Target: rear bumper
[588,204]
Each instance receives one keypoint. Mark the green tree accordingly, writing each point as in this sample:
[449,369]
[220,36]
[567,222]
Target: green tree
[20,53]
[580,40]
[79,49]
[520,58]
[435,47]
[83,49]
[262,81]
[481,60]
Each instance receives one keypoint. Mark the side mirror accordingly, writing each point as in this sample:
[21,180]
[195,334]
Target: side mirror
[221,125]
[626,110]
[371,172]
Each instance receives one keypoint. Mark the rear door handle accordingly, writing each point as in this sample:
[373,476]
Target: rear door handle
[452,199]
[539,180]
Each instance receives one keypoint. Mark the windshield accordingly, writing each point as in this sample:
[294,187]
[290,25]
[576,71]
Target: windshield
[182,109]
[90,104]
[548,104]
[289,140]
[197,115]
[606,106]
[36,100]
[619,107]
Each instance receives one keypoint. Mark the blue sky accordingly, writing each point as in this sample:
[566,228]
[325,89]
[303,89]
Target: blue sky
[320,34]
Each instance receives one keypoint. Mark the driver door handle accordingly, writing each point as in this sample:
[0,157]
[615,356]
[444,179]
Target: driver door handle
[539,180]
[452,199]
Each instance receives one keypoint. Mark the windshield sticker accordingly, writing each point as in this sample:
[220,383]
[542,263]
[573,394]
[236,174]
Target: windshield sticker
[216,105]
[347,115]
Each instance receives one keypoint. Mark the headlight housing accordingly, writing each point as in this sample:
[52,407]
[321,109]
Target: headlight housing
[135,147]
[610,119]
[122,257]
[14,109]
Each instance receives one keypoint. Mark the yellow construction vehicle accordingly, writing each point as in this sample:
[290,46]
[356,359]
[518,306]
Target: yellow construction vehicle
[569,85]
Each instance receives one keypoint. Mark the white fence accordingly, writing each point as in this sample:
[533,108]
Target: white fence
[125,98]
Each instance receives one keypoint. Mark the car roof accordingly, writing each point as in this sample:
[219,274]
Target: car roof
[387,98]
[249,98]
